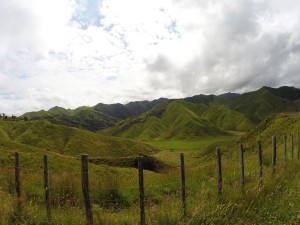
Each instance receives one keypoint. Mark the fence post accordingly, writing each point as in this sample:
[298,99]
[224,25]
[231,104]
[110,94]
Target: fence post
[260,160]
[298,145]
[46,187]
[292,143]
[19,209]
[242,166]
[273,153]
[17,174]
[219,169]
[182,176]
[141,190]
[85,189]
[284,149]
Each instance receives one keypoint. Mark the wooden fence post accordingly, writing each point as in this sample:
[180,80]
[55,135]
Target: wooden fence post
[260,160]
[298,146]
[85,189]
[46,187]
[19,209]
[292,143]
[273,153]
[141,190]
[284,149]
[182,176]
[242,166]
[17,174]
[219,169]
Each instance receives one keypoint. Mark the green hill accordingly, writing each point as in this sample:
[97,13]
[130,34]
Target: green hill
[69,141]
[180,119]
[278,124]
[121,111]
[93,118]
[258,105]
[187,118]
[82,117]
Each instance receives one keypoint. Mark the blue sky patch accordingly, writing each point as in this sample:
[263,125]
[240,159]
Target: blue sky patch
[89,15]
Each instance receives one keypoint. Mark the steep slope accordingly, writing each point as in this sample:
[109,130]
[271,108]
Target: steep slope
[180,119]
[227,119]
[257,105]
[69,141]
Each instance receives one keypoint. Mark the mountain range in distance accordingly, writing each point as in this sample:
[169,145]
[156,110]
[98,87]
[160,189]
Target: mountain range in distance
[187,118]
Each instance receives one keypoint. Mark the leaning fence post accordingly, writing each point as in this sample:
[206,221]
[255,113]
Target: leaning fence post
[46,187]
[17,174]
[219,169]
[242,166]
[182,176]
[85,189]
[284,149]
[141,190]
[273,153]
[260,160]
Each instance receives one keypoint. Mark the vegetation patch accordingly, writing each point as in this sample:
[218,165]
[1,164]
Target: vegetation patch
[149,162]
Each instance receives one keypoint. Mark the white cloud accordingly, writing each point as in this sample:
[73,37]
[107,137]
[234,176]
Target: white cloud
[71,53]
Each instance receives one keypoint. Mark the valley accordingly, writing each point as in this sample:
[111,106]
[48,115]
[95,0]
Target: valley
[159,131]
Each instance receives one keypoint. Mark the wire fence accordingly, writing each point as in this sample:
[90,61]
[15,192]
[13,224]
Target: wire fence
[74,189]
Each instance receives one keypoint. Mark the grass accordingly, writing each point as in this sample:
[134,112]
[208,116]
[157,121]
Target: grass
[189,144]
[114,191]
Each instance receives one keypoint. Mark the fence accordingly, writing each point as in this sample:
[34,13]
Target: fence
[141,198]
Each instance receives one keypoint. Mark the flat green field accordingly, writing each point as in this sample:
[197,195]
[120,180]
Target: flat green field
[190,145]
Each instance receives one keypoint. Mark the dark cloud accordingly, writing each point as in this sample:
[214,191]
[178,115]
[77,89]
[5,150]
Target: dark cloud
[241,50]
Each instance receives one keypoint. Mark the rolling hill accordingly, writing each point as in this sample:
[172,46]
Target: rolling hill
[68,141]
[93,118]
[187,118]
[181,119]
[277,124]
[258,105]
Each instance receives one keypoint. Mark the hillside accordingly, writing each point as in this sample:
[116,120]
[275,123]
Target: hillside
[258,105]
[82,117]
[69,141]
[181,120]
[278,124]
[188,118]
[93,118]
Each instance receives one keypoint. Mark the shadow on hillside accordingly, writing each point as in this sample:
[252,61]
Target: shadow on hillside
[149,162]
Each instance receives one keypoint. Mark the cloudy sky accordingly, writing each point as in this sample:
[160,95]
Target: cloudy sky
[82,52]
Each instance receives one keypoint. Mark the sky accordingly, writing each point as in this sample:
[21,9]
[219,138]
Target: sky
[71,53]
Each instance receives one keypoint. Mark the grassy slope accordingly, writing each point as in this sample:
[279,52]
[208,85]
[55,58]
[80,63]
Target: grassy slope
[276,201]
[259,104]
[69,141]
[82,117]
[182,120]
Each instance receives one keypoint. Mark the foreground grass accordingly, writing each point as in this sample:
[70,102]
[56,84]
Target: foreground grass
[274,201]
[114,191]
